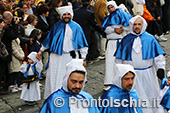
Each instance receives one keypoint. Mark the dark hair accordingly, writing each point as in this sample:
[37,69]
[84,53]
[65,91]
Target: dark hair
[78,71]
[54,3]
[42,9]
[19,13]
[34,35]
[31,18]
[21,4]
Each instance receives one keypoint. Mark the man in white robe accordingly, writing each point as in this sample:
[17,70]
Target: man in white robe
[66,41]
[141,50]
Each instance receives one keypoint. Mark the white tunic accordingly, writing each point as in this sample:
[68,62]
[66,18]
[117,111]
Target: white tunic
[33,93]
[112,38]
[147,84]
[57,63]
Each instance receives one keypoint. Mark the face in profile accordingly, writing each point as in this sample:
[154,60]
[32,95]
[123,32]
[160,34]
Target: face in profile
[137,26]
[127,81]
[168,80]
[75,82]
[66,17]
[111,8]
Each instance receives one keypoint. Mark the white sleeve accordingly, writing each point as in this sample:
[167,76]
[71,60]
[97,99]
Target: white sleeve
[39,67]
[160,62]
[23,68]
[83,52]
[118,61]
[43,48]
[109,30]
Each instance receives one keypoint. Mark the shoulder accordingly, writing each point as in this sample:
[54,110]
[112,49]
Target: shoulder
[74,24]
[147,36]
[87,95]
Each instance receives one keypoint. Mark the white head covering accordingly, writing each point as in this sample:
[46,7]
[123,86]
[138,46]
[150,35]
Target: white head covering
[131,22]
[113,3]
[123,7]
[74,65]
[141,2]
[32,56]
[168,74]
[65,9]
[121,70]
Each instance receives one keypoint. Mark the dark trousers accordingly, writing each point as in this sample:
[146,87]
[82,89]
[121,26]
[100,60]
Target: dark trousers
[3,74]
[92,46]
[165,16]
[154,28]
[15,78]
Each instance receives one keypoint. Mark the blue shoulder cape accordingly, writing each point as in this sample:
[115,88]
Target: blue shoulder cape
[117,93]
[150,47]
[55,37]
[117,17]
[49,106]
[165,102]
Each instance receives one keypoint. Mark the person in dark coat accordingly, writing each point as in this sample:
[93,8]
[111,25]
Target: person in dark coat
[86,19]
[54,15]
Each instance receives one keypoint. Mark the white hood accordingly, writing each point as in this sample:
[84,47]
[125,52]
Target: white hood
[75,64]
[121,70]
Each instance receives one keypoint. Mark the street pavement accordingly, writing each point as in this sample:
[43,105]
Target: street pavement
[11,103]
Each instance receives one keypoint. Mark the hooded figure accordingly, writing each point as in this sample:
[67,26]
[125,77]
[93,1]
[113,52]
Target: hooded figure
[116,21]
[118,91]
[31,90]
[142,51]
[66,40]
[50,104]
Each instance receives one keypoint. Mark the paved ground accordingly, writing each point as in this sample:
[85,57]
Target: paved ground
[10,103]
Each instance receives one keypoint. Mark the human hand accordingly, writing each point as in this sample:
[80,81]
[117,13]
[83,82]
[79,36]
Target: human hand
[24,62]
[119,30]
[38,56]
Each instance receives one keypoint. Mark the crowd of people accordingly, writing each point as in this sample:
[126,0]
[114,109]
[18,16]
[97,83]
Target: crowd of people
[50,39]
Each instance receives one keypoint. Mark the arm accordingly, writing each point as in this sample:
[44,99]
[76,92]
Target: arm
[160,64]
[39,67]
[17,52]
[23,68]
[83,52]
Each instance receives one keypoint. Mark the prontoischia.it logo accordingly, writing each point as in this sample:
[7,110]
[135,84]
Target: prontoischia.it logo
[144,103]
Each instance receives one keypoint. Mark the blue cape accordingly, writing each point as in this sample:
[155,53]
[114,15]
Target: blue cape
[49,106]
[117,17]
[55,37]
[117,93]
[165,102]
[150,47]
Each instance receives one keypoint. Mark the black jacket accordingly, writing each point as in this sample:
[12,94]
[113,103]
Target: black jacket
[86,19]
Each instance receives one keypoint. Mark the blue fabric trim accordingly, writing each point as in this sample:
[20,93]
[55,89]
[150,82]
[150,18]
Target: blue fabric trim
[150,47]
[142,68]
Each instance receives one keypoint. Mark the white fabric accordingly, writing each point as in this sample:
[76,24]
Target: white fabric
[68,43]
[29,29]
[121,70]
[131,22]
[137,45]
[65,9]
[123,7]
[32,56]
[138,7]
[113,3]
[73,65]
[74,108]
[56,72]
[33,93]
[168,74]
[17,55]
[141,2]
[146,84]
[112,37]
